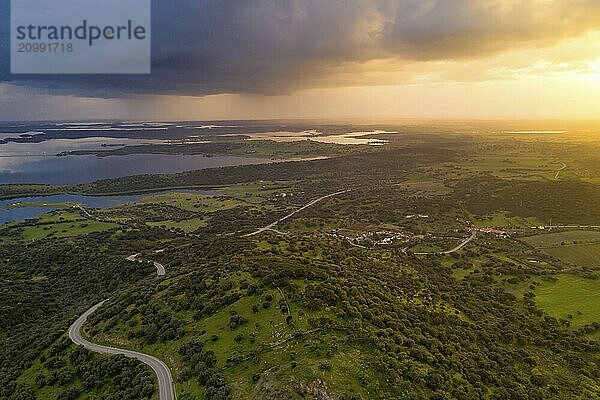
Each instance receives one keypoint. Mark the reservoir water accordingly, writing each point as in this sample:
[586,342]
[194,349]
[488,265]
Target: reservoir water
[39,163]
[23,208]
[68,170]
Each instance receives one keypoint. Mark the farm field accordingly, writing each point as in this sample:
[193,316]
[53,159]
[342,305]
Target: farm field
[58,224]
[583,255]
[580,248]
[511,166]
[64,229]
[555,239]
[187,225]
[571,298]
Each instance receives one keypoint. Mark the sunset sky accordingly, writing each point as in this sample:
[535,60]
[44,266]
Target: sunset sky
[246,59]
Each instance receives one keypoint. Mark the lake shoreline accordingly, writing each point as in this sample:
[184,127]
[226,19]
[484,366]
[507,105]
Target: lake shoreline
[22,208]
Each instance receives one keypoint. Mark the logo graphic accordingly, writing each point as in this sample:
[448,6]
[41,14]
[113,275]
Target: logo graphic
[80,36]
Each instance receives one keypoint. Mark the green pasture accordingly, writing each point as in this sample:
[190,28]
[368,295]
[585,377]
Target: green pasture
[571,298]
[583,255]
[556,239]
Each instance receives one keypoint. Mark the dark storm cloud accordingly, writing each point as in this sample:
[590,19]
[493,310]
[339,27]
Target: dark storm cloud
[202,47]
[429,30]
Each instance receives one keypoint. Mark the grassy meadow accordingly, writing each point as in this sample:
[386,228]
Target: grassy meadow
[571,298]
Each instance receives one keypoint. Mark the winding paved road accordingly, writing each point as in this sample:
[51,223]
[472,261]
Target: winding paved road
[166,387]
[271,227]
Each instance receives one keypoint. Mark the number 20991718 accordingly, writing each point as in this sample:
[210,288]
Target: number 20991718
[45,47]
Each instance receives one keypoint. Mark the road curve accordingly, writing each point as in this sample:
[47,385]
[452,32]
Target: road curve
[160,269]
[454,250]
[271,227]
[463,244]
[563,167]
[166,389]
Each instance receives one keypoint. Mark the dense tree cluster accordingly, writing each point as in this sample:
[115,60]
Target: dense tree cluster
[73,371]
[201,365]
